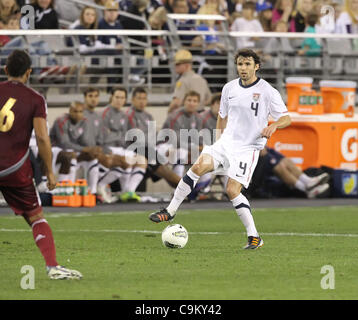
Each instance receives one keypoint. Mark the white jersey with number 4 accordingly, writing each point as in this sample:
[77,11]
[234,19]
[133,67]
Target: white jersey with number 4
[248,109]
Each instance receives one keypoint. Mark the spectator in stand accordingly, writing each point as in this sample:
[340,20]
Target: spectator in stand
[210,44]
[137,8]
[275,45]
[181,7]
[311,46]
[110,21]
[88,20]
[151,5]
[111,45]
[212,47]
[194,6]
[265,15]
[141,8]
[13,23]
[303,9]
[158,21]
[88,44]
[247,23]
[348,19]
[283,12]
[35,46]
[68,11]
[234,9]
[220,5]
[7,9]
[4,39]
[45,14]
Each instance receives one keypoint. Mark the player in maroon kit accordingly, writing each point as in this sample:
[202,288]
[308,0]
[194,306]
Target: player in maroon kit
[22,110]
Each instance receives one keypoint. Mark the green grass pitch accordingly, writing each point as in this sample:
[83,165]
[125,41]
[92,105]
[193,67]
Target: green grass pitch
[121,256]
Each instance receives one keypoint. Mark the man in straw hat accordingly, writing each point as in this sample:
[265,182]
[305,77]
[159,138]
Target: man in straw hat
[188,81]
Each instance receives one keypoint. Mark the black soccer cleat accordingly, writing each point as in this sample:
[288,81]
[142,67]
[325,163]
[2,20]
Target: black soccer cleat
[254,243]
[160,216]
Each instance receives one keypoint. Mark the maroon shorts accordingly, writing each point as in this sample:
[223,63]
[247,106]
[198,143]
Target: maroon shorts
[20,192]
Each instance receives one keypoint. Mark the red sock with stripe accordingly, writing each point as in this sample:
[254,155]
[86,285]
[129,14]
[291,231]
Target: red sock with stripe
[44,240]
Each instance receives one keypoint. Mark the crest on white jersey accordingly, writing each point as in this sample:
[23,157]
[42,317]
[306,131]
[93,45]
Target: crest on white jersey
[256,97]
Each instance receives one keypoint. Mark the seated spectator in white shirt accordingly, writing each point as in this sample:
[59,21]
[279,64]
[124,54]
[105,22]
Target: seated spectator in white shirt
[247,23]
[348,19]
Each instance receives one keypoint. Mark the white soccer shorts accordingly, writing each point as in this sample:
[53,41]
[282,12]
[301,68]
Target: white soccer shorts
[237,163]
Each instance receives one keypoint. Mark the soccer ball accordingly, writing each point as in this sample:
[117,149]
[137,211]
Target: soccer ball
[175,236]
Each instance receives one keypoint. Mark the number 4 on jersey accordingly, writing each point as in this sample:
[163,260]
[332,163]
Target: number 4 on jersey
[255,107]
[7,117]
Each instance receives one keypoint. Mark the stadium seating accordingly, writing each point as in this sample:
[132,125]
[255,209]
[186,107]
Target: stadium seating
[65,70]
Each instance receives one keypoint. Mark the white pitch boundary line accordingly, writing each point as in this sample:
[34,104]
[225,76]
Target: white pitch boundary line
[275,234]
[55,215]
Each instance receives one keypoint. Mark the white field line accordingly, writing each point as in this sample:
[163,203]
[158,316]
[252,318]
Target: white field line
[182,212]
[274,234]
[87,214]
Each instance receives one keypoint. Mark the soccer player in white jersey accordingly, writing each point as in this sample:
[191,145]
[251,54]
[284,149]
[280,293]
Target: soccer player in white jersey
[242,131]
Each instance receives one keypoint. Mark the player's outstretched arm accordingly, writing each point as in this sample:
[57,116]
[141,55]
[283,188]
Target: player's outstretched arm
[44,145]
[281,123]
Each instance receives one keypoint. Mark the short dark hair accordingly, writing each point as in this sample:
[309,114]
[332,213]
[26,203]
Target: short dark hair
[52,3]
[89,90]
[113,90]
[247,53]
[215,98]
[249,5]
[138,90]
[192,93]
[312,19]
[17,63]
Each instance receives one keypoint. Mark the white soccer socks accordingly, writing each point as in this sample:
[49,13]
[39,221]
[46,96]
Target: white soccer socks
[243,210]
[135,178]
[110,176]
[92,175]
[185,186]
